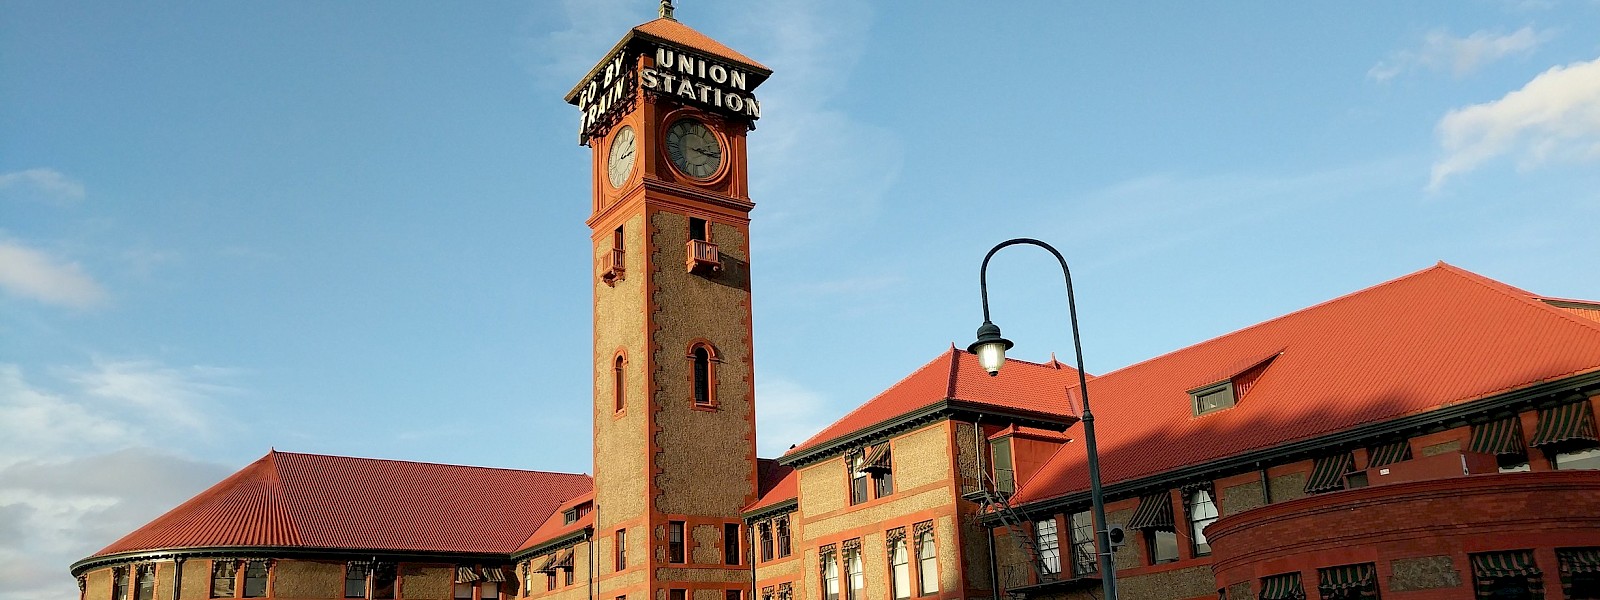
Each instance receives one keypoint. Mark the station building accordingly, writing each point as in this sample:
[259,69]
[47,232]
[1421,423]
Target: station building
[1430,437]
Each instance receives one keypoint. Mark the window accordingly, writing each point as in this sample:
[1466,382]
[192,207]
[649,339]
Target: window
[619,384]
[1085,559]
[383,581]
[830,575]
[355,580]
[1580,572]
[1212,398]
[880,463]
[549,580]
[1004,475]
[489,590]
[765,533]
[145,582]
[1202,512]
[733,595]
[900,570]
[1587,459]
[463,591]
[616,238]
[255,579]
[119,583]
[677,594]
[622,549]
[697,229]
[783,537]
[675,541]
[569,516]
[703,373]
[858,478]
[730,543]
[567,575]
[1044,538]
[223,573]
[1507,575]
[1162,544]
[852,571]
[927,563]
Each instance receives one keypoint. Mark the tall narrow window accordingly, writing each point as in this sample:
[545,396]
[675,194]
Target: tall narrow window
[355,580]
[489,590]
[697,229]
[927,564]
[900,570]
[733,595]
[1084,556]
[702,376]
[783,536]
[858,477]
[255,578]
[622,549]
[677,594]
[145,582]
[567,576]
[675,541]
[383,581]
[223,575]
[549,580]
[830,576]
[730,543]
[1044,538]
[852,571]
[1202,512]
[765,533]
[463,591]
[880,464]
[119,583]
[1004,476]
[616,238]
[619,384]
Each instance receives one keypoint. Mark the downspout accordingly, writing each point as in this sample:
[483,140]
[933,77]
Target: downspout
[177,577]
[1266,486]
[588,537]
[750,551]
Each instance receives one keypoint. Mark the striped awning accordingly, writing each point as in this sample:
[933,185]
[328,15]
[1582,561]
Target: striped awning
[466,575]
[1155,512]
[1388,454]
[494,574]
[1579,560]
[1515,563]
[877,459]
[1497,437]
[1328,473]
[563,560]
[1565,422]
[1282,587]
[544,564]
[1362,577]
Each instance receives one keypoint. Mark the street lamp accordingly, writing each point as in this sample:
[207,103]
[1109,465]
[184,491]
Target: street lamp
[991,350]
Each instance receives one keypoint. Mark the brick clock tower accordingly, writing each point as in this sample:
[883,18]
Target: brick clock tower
[665,114]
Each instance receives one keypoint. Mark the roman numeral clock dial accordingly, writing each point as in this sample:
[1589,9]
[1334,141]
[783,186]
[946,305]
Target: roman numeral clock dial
[693,148]
[620,159]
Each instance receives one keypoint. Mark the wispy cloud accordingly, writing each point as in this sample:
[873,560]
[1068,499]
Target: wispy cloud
[35,274]
[1554,117]
[47,185]
[74,472]
[787,413]
[1441,51]
[559,59]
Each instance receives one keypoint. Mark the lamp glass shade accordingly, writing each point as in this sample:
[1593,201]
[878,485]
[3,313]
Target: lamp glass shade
[991,356]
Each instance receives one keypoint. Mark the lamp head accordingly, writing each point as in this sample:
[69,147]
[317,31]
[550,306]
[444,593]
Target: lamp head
[990,348]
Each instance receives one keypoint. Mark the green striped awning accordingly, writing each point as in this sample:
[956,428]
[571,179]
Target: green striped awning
[494,574]
[1282,587]
[1348,581]
[1388,454]
[1497,437]
[466,575]
[1155,512]
[1328,473]
[1514,563]
[877,460]
[1579,560]
[1565,422]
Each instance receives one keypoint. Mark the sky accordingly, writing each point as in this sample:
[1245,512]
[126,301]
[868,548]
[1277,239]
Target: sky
[357,228]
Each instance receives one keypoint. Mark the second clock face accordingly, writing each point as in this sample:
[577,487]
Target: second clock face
[620,158]
[693,148]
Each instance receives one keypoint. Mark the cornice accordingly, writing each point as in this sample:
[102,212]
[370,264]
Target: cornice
[787,506]
[943,409]
[557,543]
[301,552]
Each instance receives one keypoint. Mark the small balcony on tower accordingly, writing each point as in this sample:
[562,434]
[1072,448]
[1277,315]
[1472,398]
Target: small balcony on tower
[611,267]
[702,257]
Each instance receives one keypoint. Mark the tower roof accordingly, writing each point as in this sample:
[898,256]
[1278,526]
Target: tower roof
[315,501]
[1435,338]
[670,32]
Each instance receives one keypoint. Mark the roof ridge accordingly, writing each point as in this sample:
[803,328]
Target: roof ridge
[420,462]
[285,502]
[1519,294]
[862,406]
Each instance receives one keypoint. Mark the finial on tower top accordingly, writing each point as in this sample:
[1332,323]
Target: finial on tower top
[666,9]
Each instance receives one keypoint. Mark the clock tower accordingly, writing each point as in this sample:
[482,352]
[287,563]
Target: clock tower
[665,115]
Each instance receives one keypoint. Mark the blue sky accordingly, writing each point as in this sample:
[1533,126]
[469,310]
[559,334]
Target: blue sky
[357,228]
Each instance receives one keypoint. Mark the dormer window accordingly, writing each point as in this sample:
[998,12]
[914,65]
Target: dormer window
[1212,398]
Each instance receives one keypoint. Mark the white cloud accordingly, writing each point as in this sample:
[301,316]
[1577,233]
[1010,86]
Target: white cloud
[1555,117]
[561,58]
[1460,55]
[74,472]
[36,274]
[47,185]
[787,413]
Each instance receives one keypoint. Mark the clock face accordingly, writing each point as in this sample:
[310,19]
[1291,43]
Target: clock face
[620,159]
[693,148]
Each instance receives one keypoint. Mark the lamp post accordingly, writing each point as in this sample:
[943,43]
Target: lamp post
[991,350]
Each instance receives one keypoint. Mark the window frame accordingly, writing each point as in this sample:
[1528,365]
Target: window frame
[1081,566]
[784,536]
[119,583]
[1048,545]
[1008,482]
[1198,395]
[232,578]
[144,581]
[1151,543]
[705,372]
[854,573]
[621,550]
[366,571]
[677,552]
[899,570]
[930,547]
[764,540]
[1197,537]
[731,547]
[830,576]
[860,488]
[619,382]
[243,586]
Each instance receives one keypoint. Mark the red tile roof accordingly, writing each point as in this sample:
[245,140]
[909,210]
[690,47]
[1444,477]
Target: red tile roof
[956,375]
[556,526]
[1431,339]
[672,31]
[316,501]
[776,483]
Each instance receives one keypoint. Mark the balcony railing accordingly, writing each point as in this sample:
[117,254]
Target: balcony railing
[703,256]
[612,267]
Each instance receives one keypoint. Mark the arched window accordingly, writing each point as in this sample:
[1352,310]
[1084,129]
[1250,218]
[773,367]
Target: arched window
[619,383]
[703,374]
